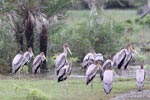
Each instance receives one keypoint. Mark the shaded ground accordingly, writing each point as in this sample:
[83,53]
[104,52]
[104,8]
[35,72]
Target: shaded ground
[133,95]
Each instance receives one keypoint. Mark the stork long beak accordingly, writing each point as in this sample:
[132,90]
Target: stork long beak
[45,58]
[100,66]
[69,51]
[135,52]
[33,55]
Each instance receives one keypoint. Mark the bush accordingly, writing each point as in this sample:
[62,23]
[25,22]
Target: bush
[35,94]
[31,94]
[147,20]
[128,21]
[97,32]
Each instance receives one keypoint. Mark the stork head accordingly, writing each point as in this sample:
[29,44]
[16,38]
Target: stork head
[31,52]
[98,65]
[141,66]
[131,48]
[20,52]
[43,56]
[107,87]
[66,47]
[93,52]
[140,86]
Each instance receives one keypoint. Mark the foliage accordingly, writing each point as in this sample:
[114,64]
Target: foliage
[124,3]
[7,45]
[31,94]
[36,94]
[97,32]
[147,20]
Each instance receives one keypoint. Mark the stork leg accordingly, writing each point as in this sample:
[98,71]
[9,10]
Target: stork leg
[142,94]
[92,86]
[66,83]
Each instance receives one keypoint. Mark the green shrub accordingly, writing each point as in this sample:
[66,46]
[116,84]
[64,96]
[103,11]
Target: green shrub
[35,94]
[31,94]
[147,20]
[128,21]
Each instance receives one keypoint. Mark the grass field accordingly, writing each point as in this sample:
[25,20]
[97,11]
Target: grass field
[15,89]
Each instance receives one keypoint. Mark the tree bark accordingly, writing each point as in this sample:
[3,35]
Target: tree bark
[43,47]
[19,39]
[29,36]
[29,30]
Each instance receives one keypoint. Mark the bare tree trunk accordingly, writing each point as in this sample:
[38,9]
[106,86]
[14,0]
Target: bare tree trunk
[29,30]
[43,47]
[19,39]
[29,36]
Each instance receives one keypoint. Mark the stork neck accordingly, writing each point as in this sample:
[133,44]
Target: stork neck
[65,51]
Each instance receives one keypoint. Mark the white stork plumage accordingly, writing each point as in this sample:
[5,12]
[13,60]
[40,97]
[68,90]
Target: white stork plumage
[17,62]
[64,72]
[140,76]
[37,61]
[88,59]
[61,59]
[123,57]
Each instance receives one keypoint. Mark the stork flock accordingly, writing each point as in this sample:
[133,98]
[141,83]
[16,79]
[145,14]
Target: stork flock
[22,59]
[92,64]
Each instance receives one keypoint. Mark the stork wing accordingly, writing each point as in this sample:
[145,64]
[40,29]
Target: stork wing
[87,60]
[99,57]
[16,63]
[37,61]
[107,63]
[27,58]
[61,74]
[119,58]
[17,59]
[91,72]
[60,61]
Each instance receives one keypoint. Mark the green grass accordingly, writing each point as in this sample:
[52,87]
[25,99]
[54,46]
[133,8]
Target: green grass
[11,89]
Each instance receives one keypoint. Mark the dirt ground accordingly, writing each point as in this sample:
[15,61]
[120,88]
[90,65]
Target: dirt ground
[133,95]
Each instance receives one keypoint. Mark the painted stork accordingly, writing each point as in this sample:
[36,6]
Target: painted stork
[27,55]
[108,79]
[88,59]
[64,72]
[17,62]
[37,61]
[140,76]
[61,59]
[123,57]
[91,72]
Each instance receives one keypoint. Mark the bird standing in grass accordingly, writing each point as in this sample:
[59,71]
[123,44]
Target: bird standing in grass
[37,62]
[123,57]
[17,62]
[108,79]
[27,55]
[140,77]
[64,72]
[91,73]
[61,59]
